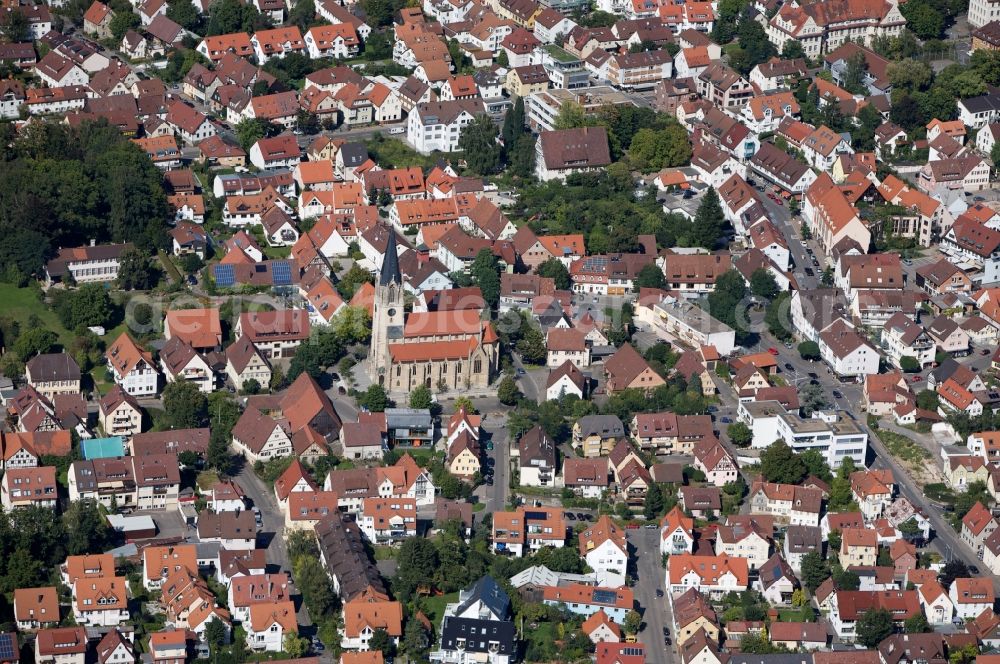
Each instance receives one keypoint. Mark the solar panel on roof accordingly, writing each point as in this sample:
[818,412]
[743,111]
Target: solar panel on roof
[224,275]
[281,274]
[605,596]
[8,651]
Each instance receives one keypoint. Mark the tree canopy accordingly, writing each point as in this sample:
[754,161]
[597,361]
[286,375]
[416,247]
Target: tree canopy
[65,186]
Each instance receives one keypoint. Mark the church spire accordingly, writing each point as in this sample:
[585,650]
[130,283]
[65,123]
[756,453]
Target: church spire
[390,262]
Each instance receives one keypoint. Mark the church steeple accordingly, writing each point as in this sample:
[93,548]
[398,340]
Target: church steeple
[387,314]
[390,262]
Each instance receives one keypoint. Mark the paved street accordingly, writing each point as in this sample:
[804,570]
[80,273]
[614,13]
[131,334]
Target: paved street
[789,227]
[496,496]
[656,613]
[274,522]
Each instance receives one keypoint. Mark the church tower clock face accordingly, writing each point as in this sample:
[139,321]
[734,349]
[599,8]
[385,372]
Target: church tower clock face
[392,311]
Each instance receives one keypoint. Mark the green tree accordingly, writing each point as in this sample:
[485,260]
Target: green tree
[967,654]
[995,154]
[417,562]
[916,624]
[522,157]
[910,74]
[762,284]
[655,149]
[16,27]
[740,434]
[809,350]
[953,569]
[252,130]
[86,529]
[485,270]
[554,269]
[479,146]
[909,364]
[184,405]
[421,398]
[302,14]
[792,50]
[779,463]
[513,123]
[571,115]
[531,346]
[122,22]
[307,122]
[228,16]
[874,625]
[709,221]
[415,639]
[923,19]
[653,506]
[812,397]
[134,270]
[183,13]
[730,290]
[928,400]
[374,399]
[776,316]
[650,276]
[854,74]
[87,306]
[215,633]
[507,391]
[34,341]
[632,622]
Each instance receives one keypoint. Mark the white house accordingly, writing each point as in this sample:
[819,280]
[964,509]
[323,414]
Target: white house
[438,125]
[605,549]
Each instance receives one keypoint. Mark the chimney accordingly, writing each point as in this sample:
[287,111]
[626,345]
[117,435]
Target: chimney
[93,242]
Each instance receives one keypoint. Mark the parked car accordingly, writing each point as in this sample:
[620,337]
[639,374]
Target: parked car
[809,272]
[521,372]
[397,130]
[837,394]
[726,420]
[650,526]
[985,351]
[772,351]
[789,367]
[632,526]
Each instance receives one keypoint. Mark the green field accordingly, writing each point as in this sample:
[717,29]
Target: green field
[21,303]
[433,607]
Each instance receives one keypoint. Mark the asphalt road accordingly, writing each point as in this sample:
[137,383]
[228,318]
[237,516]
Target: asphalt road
[789,227]
[495,497]
[946,540]
[655,610]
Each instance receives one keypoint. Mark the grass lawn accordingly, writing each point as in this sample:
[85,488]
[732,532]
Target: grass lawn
[394,153]
[433,607]
[544,633]
[275,253]
[169,266]
[790,615]
[207,479]
[21,303]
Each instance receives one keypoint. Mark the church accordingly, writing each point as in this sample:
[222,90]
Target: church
[452,348]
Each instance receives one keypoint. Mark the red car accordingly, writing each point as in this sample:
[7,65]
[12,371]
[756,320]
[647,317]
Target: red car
[777,199]
[916,379]
[772,351]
